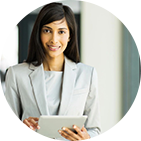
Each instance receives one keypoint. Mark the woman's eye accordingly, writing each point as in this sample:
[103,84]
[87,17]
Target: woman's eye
[46,31]
[61,32]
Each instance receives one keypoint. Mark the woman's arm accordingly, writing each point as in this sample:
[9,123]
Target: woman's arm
[13,129]
[11,109]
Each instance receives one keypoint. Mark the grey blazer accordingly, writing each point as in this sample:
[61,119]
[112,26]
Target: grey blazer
[25,91]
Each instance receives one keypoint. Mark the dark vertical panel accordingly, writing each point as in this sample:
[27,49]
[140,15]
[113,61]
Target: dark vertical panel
[22,43]
[77,17]
[25,26]
[23,21]
[130,70]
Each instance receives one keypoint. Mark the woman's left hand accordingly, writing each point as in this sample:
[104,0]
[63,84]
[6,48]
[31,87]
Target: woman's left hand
[70,135]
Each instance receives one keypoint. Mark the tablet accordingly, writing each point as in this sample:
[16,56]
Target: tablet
[49,125]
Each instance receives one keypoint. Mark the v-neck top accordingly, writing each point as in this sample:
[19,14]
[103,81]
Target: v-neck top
[53,84]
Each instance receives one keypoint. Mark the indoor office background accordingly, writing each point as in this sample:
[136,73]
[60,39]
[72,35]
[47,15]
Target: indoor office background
[104,43]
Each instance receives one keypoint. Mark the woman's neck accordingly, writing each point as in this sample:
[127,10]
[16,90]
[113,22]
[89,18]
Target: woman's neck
[54,64]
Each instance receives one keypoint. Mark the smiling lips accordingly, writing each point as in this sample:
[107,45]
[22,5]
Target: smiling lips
[53,48]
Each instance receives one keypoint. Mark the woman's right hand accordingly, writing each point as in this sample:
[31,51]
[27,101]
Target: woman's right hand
[32,123]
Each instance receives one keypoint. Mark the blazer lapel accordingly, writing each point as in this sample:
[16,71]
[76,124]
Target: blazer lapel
[37,81]
[67,86]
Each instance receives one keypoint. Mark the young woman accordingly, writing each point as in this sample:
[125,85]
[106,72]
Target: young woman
[52,81]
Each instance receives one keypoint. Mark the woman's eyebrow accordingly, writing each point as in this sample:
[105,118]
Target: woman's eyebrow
[63,28]
[47,27]
[58,28]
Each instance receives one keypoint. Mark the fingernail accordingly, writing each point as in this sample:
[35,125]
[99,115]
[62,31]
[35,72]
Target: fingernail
[64,128]
[38,127]
[74,126]
[31,127]
[59,131]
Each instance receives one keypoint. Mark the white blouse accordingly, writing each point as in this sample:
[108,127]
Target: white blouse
[53,83]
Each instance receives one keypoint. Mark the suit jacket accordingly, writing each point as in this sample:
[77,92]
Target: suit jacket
[25,91]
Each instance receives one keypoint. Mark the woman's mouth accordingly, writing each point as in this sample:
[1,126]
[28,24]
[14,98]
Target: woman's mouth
[53,48]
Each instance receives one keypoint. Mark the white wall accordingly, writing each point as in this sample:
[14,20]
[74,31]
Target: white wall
[101,42]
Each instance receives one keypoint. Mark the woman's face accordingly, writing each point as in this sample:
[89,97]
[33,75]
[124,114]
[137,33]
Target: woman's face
[55,37]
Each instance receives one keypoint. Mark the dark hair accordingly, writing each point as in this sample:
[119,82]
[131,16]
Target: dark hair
[50,13]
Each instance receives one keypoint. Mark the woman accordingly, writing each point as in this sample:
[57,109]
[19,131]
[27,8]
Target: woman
[52,81]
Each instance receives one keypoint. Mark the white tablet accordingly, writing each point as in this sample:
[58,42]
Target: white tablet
[49,125]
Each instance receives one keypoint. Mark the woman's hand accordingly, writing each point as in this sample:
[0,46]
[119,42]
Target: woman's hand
[70,135]
[31,122]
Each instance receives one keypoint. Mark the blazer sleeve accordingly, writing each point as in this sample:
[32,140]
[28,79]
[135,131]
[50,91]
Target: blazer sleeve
[92,104]
[11,109]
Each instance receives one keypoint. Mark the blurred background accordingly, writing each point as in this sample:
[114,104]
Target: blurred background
[104,43]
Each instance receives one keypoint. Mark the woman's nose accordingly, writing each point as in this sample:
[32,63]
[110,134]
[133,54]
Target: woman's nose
[54,38]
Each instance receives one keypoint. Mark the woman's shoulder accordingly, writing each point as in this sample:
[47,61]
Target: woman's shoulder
[18,70]
[20,66]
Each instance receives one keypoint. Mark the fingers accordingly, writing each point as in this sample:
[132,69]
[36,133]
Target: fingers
[77,129]
[31,122]
[84,129]
[68,134]
[28,124]
[81,134]
[35,118]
